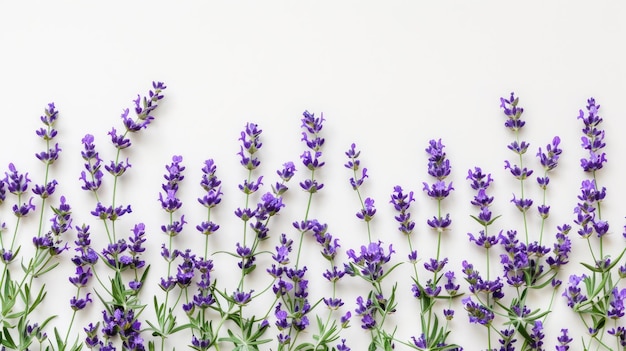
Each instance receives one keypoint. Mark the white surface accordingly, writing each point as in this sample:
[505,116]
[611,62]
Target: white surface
[387,76]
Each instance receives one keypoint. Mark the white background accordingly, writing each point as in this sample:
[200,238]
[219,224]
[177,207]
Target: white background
[388,76]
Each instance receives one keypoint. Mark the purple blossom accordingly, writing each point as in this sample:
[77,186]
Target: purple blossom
[450,287]
[370,261]
[401,203]
[44,191]
[616,303]
[365,310]
[24,209]
[313,126]
[439,223]
[342,346]
[593,137]
[573,292]
[109,212]
[49,119]
[16,182]
[537,336]
[550,158]
[438,190]
[285,174]
[563,340]
[435,266]
[368,210]
[477,313]
[251,187]
[354,164]
[484,240]
[518,148]
[92,165]
[334,275]
[311,160]
[174,228]
[119,141]
[207,227]
[519,173]
[512,112]
[311,186]
[561,248]
[117,169]
[78,304]
[48,157]
[251,143]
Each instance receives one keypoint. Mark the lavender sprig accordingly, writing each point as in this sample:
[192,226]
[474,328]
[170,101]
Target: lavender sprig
[601,301]
[119,317]
[524,262]
[435,334]
[170,203]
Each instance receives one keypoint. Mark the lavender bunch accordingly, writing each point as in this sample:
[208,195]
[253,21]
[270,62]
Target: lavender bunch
[166,324]
[486,291]
[127,272]
[601,304]
[251,329]
[524,261]
[433,332]
[291,284]
[198,307]
[370,264]
[20,297]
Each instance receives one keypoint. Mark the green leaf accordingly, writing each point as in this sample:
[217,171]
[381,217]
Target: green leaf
[7,340]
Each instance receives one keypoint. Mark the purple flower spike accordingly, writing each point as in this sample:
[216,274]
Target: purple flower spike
[438,165]
[367,213]
[49,118]
[143,107]
[616,303]
[241,297]
[79,304]
[573,293]
[119,141]
[17,183]
[477,313]
[512,112]
[593,138]
[314,142]
[550,158]
[24,209]
[563,340]
[401,203]
[250,144]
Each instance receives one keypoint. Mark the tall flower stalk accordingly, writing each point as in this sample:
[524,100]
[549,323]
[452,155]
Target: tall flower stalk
[524,262]
[122,304]
[601,304]
[435,332]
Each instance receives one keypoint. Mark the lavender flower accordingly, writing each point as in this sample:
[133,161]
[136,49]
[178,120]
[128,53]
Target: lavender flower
[593,139]
[573,292]
[564,341]
[17,183]
[370,262]
[401,203]
[513,112]
[477,313]
[92,165]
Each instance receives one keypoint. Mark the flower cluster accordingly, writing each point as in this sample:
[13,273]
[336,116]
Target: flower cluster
[280,303]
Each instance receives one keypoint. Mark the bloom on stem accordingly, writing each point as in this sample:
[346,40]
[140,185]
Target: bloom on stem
[593,138]
[513,112]
[401,203]
[368,211]
[311,158]
[550,158]
[251,143]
